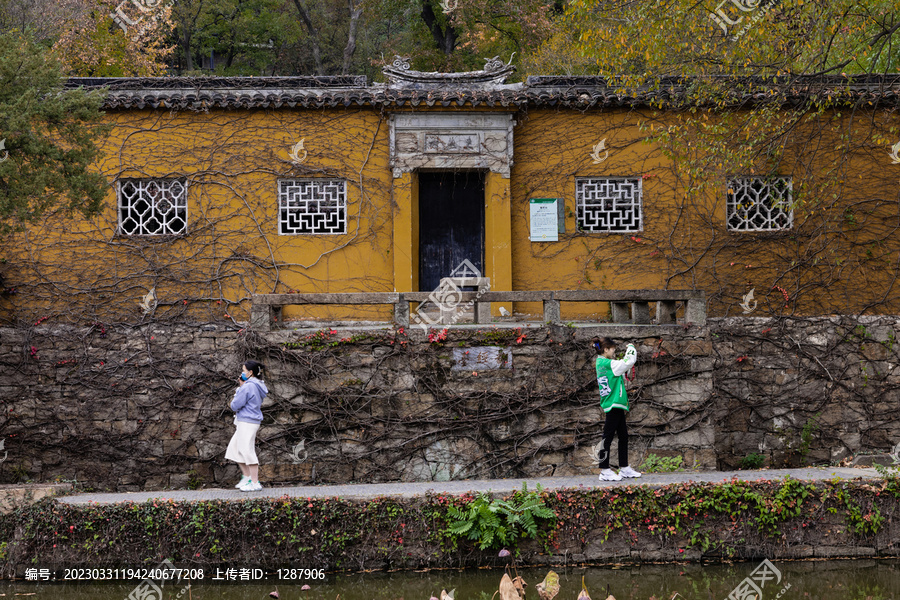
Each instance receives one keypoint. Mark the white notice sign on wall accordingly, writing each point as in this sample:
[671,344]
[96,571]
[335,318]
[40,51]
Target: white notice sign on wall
[544,220]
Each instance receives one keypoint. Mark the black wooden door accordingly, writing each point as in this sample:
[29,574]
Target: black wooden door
[451,224]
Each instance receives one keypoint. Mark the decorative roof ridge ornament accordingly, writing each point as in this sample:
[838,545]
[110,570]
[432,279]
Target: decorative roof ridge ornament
[494,73]
[401,63]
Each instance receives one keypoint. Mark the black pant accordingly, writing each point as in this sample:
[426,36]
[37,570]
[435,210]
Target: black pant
[615,425]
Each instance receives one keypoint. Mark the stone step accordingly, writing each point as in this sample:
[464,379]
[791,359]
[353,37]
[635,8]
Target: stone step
[870,460]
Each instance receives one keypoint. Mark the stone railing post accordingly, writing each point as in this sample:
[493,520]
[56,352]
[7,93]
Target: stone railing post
[621,312]
[401,311]
[695,311]
[665,311]
[552,313]
[263,316]
[641,313]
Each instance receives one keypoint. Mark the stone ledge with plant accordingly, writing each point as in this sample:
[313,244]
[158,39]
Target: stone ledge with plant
[680,522]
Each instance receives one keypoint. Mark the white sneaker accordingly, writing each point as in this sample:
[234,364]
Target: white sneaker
[609,475]
[242,482]
[251,486]
[628,472]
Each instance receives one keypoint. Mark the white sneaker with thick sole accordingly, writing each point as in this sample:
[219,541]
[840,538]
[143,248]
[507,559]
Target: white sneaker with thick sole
[251,486]
[242,482]
[609,475]
[628,472]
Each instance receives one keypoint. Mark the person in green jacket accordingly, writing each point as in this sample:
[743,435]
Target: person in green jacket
[614,401]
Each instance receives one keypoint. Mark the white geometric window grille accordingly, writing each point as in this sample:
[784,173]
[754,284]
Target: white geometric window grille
[608,205]
[312,206]
[152,206]
[755,204]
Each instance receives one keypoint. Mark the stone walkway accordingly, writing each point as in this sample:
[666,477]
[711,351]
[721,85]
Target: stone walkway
[407,490]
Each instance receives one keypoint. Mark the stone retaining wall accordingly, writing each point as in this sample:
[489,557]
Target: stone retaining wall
[130,408]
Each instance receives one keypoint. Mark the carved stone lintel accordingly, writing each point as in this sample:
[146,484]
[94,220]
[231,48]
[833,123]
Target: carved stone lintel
[480,141]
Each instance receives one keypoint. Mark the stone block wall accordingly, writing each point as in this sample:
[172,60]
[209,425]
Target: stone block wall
[145,407]
[807,390]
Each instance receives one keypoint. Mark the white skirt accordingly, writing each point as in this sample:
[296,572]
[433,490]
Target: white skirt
[242,447]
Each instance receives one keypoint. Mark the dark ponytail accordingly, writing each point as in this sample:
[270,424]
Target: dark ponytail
[254,367]
[599,344]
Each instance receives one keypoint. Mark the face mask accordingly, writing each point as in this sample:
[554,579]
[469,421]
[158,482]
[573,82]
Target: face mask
[244,377]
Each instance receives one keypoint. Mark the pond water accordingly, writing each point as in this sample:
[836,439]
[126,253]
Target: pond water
[790,580]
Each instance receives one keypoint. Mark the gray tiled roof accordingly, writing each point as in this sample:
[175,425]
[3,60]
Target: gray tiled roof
[202,93]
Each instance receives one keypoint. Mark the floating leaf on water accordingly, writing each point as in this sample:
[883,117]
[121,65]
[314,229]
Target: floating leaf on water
[508,589]
[583,594]
[520,586]
[549,587]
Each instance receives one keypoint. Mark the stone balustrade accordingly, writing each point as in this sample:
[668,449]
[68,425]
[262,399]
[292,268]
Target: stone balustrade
[627,306]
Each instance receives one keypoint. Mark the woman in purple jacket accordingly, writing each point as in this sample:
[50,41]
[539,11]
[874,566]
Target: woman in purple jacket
[247,405]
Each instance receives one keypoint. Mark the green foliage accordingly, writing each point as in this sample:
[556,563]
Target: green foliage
[753,461]
[195,480]
[891,476]
[245,35]
[285,530]
[807,433]
[863,518]
[887,472]
[342,534]
[331,37]
[51,137]
[461,39]
[662,464]
[495,337]
[326,338]
[494,523]
[799,445]
[711,517]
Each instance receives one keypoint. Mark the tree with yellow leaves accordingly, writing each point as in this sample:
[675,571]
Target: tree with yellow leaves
[115,38]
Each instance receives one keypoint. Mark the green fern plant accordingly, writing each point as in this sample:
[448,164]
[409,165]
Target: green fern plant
[662,464]
[492,523]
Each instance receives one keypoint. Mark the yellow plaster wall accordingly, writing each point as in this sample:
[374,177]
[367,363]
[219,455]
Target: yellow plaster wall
[685,242]
[406,233]
[498,236]
[552,148]
[233,159]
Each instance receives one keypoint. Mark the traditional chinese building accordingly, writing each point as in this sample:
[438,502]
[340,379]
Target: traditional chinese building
[222,188]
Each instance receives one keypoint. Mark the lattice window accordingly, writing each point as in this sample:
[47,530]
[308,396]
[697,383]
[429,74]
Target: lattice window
[152,206]
[755,204]
[608,205]
[312,206]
